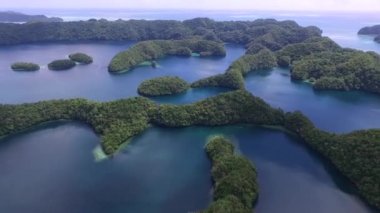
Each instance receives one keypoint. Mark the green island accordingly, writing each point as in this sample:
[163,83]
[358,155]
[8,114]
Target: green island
[25,66]
[11,16]
[317,60]
[62,64]
[255,34]
[356,155]
[166,85]
[81,58]
[269,43]
[234,178]
[373,31]
[234,76]
[155,49]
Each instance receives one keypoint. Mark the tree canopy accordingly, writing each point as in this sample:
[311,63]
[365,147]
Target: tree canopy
[155,49]
[62,64]
[25,66]
[234,178]
[166,85]
[81,58]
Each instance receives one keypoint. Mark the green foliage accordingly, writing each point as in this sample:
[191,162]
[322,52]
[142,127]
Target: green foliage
[81,58]
[166,85]
[356,155]
[228,108]
[115,121]
[229,204]
[266,32]
[234,178]
[344,69]
[152,50]
[374,30]
[63,64]
[296,51]
[24,66]
[234,76]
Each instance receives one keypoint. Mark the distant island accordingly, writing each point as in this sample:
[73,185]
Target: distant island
[61,64]
[81,58]
[25,66]
[11,16]
[374,30]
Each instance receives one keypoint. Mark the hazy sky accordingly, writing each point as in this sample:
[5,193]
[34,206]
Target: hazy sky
[351,5]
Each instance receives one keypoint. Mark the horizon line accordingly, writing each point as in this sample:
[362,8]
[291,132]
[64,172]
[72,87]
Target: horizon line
[184,9]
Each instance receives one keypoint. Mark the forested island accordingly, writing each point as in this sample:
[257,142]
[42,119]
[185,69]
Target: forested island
[25,66]
[155,49]
[234,178]
[81,58]
[61,64]
[269,43]
[11,16]
[356,155]
[166,85]
[373,30]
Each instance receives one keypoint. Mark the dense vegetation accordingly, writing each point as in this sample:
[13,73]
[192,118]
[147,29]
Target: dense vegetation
[374,30]
[263,32]
[234,76]
[344,69]
[10,16]
[228,108]
[81,58]
[166,85]
[356,155]
[63,64]
[152,50]
[117,121]
[234,178]
[25,66]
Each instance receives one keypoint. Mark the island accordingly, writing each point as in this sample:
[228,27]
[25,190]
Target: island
[317,60]
[62,64]
[235,184]
[373,31]
[355,154]
[11,16]
[81,58]
[165,85]
[326,65]
[269,43]
[25,66]
[155,49]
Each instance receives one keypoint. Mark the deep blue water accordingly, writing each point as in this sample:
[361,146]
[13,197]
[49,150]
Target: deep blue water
[93,81]
[166,170]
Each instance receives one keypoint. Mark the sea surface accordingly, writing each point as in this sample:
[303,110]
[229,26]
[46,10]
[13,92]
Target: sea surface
[52,167]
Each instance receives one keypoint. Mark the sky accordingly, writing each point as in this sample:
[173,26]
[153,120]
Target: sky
[305,5]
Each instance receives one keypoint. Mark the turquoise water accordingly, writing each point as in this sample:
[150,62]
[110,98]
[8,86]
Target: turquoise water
[166,170]
[330,110]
